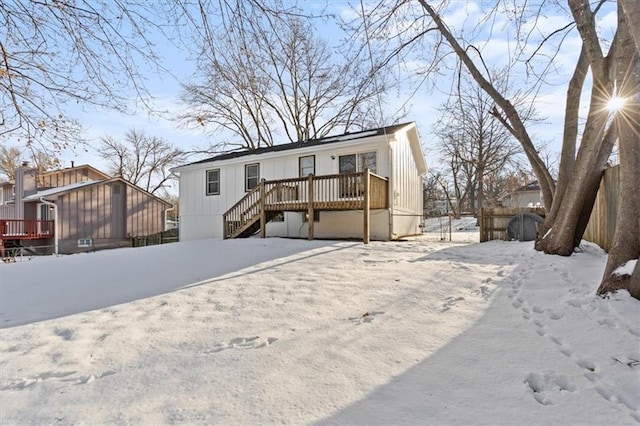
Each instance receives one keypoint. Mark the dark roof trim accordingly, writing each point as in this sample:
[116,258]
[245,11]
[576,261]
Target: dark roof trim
[313,142]
[531,186]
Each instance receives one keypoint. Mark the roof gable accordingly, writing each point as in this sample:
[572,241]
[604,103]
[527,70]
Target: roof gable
[61,190]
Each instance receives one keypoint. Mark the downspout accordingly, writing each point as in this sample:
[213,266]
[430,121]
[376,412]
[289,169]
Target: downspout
[55,223]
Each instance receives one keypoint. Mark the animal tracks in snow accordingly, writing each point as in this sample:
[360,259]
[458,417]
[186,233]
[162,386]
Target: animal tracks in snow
[253,342]
[547,388]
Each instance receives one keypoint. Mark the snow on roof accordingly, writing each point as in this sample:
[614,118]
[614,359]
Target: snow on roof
[57,190]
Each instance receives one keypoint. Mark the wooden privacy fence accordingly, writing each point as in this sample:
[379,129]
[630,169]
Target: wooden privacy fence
[493,221]
[602,224]
[164,237]
[601,227]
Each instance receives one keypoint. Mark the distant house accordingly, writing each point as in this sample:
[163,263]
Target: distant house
[344,186]
[526,196]
[93,210]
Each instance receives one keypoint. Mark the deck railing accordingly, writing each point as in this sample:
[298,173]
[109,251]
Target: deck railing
[327,192]
[241,212]
[16,229]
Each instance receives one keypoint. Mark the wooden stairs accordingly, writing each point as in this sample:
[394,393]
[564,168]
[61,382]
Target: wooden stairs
[249,227]
[352,191]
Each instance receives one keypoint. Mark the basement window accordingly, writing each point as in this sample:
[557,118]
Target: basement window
[85,242]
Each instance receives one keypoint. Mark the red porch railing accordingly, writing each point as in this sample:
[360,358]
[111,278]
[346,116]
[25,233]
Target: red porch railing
[15,229]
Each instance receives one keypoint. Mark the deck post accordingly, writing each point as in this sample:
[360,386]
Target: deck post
[365,206]
[310,212]
[263,213]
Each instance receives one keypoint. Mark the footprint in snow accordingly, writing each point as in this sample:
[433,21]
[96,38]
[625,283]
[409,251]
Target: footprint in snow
[555,315]
[546,387]
[253,342]
[483,291]
[450,302]
[57,376]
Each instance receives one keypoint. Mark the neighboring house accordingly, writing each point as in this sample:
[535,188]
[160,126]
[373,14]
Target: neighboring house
[313,189]
[93,211]
[526,196]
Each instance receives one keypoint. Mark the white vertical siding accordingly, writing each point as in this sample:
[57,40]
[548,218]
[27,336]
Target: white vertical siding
[407,189]
[201,215]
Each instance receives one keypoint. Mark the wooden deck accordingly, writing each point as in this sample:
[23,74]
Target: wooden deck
[354,191]
[27,229]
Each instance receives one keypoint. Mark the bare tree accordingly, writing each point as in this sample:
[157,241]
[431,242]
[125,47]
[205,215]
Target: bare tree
[12,157]
[570,204]
[626,246]
[55,53]
[269,76]
[141,159]
[473,139]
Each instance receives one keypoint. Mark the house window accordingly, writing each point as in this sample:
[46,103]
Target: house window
[45,212]
[307,165]
[85,242]
[251,176]
[352,186]
[354,163]
[278,218]
[213,182]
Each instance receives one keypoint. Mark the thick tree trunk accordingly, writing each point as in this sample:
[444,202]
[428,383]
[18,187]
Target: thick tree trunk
[583,186]
[569,139]
[631,10]
[626,245]
[568,220]
[593,185]
[480,184]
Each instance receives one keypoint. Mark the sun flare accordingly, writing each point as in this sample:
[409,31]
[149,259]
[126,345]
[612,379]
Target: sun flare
[615,104]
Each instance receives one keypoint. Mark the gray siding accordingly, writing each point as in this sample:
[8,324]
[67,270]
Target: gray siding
[144,213]
[107,215]
[68,176]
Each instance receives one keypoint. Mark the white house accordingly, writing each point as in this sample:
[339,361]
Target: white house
[528,195]
[368,181]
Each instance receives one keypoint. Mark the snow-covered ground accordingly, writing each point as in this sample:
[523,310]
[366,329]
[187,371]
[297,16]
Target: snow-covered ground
[281,331]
